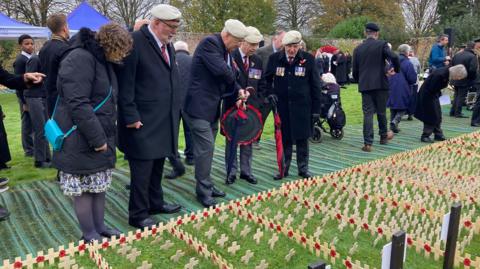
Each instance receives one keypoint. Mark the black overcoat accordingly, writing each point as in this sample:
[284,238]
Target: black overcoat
[428,109]
[83,82]
[298,94]
[148,92]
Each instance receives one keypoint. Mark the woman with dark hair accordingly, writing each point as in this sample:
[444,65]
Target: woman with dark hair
[87,87]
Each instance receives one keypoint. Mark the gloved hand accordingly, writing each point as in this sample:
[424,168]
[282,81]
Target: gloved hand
[273,99]
[315,117]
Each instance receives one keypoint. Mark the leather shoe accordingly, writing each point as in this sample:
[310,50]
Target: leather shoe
[384,140]
[279,177]
[367,148]
[4,213]
[410,118]
[165,209]
[174,174]
[43,165]
[394,128]
[207,201]
[217,193]
[426,139]
[148,222]
[230,179]
[249,178]
[439,138]
[109,232]
[305,174]
[475,124]
[189,161]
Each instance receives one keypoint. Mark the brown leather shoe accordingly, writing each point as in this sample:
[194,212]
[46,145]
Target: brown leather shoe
[384,140]
[367,148]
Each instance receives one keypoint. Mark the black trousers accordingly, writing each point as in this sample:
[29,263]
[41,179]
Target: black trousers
[4,150]
[38,115]
[476,108]
[374,102]
[146,191]
[429,129]
[26,129]
[302,154]
[458,100]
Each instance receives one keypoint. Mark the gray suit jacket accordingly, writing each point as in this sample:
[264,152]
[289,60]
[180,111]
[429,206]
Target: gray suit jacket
[264,53]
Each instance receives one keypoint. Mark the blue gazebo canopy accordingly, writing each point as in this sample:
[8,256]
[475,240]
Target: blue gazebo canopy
[85,16]
[11,29]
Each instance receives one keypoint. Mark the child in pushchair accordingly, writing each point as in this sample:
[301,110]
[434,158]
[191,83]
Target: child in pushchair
[331,111]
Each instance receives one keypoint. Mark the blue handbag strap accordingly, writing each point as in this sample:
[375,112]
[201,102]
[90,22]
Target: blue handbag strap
[95,109]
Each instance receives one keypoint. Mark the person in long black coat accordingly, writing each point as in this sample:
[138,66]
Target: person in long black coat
[339,66]
[250,74]
[293,78]
[14,82]
[149,110]
[428,109]
[87,89]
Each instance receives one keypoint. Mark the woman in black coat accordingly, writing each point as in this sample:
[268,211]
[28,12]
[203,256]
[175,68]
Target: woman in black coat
[428,108]
[85,162]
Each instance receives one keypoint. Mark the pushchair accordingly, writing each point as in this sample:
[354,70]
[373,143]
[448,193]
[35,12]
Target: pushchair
[331,113]
[471,98]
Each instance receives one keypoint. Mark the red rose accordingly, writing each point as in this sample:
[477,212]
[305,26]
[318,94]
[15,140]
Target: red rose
[467,262]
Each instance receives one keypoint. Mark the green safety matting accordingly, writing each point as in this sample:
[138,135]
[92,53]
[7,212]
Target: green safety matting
[42,217]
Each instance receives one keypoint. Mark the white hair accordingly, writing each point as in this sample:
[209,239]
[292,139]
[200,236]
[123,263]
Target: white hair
[457,72]
[180,45]
[404,49]
[329,78]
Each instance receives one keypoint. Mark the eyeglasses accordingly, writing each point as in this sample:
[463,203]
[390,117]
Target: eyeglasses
[172,26]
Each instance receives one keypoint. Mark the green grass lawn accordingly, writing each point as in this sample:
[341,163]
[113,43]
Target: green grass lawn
[22,169]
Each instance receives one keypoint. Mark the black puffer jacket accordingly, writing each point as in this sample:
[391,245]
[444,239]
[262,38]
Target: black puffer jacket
[84,80]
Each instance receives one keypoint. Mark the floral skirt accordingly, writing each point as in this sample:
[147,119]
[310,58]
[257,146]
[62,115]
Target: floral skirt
[75,185]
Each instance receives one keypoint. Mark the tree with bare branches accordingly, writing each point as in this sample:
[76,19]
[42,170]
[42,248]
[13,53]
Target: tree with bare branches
[420,16]
[297,14]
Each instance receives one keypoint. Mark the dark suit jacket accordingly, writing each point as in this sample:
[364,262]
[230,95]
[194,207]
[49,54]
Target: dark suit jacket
[148,92]
[211,79]
[19,67]
[184,62]
[245,79]
[264,53]
[50,55]
[11,81]
[370,64]
[298,95]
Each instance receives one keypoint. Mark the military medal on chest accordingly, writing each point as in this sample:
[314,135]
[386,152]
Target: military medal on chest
[280,71]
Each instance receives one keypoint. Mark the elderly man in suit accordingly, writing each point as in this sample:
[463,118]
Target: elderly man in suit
[250,75]
[148,113]
[370,71]
[213,77]
[17,82]
[264,53]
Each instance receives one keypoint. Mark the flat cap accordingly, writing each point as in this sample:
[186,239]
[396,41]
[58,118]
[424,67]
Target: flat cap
[253,35]
[235,28]
[372,27]
[476,40]
[166,12]
[292,37]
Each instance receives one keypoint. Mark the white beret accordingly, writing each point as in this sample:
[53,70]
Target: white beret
[292,37]
[235,28]
[253,35]
[166,12]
